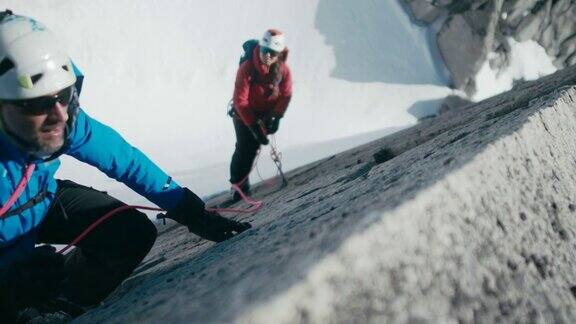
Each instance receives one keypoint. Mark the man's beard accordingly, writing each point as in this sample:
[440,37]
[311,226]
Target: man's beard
[44,150]
[35,147]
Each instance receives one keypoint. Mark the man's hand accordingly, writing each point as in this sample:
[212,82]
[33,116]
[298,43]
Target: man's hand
[257,130]
[273,124]
[209,225]
[34,278]
[212,226]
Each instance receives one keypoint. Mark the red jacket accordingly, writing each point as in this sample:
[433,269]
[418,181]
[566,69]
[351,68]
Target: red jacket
[259,99]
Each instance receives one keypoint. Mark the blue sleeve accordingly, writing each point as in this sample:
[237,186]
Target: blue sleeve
[99,145]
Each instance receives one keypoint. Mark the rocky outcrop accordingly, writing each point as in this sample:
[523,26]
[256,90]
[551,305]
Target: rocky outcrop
[465,40]
[473,28]
[468,217]
[425,11]
[453,103]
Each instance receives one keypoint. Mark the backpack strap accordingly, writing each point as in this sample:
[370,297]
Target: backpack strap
[30,203]
[248,47]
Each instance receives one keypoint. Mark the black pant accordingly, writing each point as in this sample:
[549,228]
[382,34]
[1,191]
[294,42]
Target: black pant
[108,254]
[245,152]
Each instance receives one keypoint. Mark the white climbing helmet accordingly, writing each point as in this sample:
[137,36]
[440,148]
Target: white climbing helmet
[273,39]
[32,62]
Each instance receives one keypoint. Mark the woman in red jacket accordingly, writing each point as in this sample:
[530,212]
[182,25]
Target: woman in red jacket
[261,95]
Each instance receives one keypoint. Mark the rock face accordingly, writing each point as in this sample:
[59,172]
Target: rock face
[465,40]
[452,103]
[473,28]
[425,11]
[469,217]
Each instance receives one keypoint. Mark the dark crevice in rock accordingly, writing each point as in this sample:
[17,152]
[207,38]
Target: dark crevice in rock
[555,222]
[362,172]
[523,216]
[512,265]
[539,5]
[540,262]
[506,307]
[544,124]
[458,137]
[500,113]
[501,226]
[383,155]
[304,194]
[573,291]
[448,161]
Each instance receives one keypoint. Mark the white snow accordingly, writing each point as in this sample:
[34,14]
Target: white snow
[162,73]
[529,61]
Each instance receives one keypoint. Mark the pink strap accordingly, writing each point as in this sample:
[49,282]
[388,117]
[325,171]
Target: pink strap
[99,221]
[254,204]
[27,174]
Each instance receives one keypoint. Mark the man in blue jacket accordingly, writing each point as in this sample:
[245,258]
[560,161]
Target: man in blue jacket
[40,119]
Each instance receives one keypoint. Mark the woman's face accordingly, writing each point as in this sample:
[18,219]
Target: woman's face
[268,56]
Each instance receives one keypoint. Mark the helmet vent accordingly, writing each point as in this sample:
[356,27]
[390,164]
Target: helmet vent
[36,77]
[65,67]
[5,66]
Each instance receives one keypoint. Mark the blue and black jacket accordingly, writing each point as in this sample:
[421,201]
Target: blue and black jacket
[88,141]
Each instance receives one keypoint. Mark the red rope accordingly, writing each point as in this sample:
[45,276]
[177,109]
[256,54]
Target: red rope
[99,221]
[254,204]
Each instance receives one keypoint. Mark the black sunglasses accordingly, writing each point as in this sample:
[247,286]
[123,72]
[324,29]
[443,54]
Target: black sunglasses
[266,50]
[42,105]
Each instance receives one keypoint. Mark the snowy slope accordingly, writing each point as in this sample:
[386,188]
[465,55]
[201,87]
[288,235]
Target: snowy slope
[529,61]
[162,72]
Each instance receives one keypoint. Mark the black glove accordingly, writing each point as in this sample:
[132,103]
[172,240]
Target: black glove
[257,130]
[273,124]
[206,224]
[32,279]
